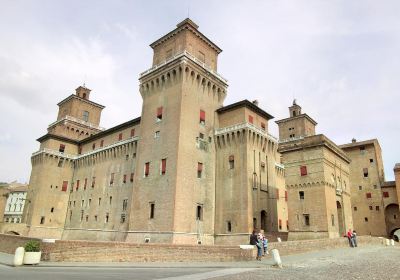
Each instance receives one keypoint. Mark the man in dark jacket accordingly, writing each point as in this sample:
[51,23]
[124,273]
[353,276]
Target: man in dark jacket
[254,241]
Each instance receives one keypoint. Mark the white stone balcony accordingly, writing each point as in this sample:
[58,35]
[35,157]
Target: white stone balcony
[245,125]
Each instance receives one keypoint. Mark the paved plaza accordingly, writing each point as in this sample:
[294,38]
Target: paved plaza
[372,262]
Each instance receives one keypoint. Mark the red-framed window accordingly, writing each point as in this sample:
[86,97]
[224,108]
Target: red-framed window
[202,116]
[77,184]
[163,166]
[159,113]
[120,136]
[146,169]
[385,194]
[251,119]
[64,186]
[62,148]
[368,195]
[303,170]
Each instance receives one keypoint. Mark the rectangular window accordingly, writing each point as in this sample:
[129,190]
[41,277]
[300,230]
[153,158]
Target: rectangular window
[42,219]
[64,186]
[82,202]
[131,179]
[120,137]
[93,182]
[85,184]
[263,126]
[132,132]
[152,210]
[110,200]
[99,200]
[62,148]
[306,219]
[101,143]
[303,170]
[333,220]
[360,188]
[370,207]
[112,179]
[85,116]
[355,208]
[124,204]
[231,162]
[93,146]
[159,113]
[371,160]
[124,179]
[199,169]
[286,196]
[157,134]
[366,219]
[365,171]
[377,208]
[146,169]
[163,166]
[250,119]
[362,148]
[368,195]
[301,194]
[202,117]
[89,202]
[280,224]
[199,212]
[79,150]
[385,194]
[123,218]
[107,218]
[77,184]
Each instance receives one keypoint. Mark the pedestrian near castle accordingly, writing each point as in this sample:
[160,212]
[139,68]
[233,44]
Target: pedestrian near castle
[254,242]
[265,245]
[350,238]
[354,237]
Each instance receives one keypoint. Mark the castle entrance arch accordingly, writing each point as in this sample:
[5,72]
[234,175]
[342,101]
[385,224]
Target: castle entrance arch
[340,218]
[392,219]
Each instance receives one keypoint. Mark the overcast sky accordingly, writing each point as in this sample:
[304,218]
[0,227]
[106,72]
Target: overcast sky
[339,59]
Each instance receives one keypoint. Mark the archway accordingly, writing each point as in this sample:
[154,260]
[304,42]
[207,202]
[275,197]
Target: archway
[392,219]
[340,218]
[264,220]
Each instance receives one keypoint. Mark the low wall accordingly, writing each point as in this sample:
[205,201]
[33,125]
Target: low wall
[104,251]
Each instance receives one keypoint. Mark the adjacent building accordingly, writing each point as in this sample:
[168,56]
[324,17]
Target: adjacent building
[317,179]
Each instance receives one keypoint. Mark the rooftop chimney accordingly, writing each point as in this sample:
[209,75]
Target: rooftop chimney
[255,102]
[353,140]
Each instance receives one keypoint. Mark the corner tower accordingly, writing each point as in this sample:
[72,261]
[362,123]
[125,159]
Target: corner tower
[174,188]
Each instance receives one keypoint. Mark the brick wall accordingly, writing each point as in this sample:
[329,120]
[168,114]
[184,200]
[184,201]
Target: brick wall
[87,251]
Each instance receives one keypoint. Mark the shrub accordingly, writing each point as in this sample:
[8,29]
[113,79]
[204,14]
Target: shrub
[32,246]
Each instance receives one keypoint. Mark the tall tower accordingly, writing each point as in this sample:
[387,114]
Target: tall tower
[297,125]
[174,187]
[53,164]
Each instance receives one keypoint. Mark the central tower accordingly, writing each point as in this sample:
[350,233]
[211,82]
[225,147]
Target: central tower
[174,187]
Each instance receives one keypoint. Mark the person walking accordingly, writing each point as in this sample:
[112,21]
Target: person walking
[265,245]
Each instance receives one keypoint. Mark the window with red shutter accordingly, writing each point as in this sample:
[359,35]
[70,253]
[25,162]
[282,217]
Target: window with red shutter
[385,194]
[163,166]
[62,148]
[159,113]
[64,186]
[286,196]
[369,195]
[120,136]
[132,132]
[146,169]
[199,169]
[202,116]
[303,170]
[250,119]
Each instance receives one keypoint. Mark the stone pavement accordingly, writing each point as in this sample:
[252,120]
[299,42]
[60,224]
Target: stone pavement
[288,261]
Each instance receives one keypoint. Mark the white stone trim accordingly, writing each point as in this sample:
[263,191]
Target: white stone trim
[224,130]
[73,119]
